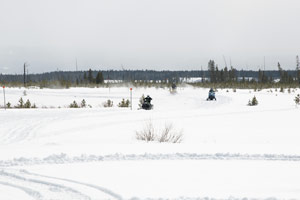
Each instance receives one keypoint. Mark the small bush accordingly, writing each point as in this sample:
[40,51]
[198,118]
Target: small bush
[108,103]
[83,104]
[281,90]
[253,102]
[8,105]
[141,101]
[297,99]
[27,104]
[21,104]
[74,105]
[124,103]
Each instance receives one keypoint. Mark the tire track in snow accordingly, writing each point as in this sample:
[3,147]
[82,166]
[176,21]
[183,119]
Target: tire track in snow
[49,189]
[102,189]
[32,193]
[209,198]
[38,196]
[26,129]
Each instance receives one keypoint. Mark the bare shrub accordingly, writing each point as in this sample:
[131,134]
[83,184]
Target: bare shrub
[141,101]
[147,134]
[168,134]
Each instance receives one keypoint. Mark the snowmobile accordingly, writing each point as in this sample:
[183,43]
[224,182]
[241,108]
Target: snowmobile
[211,95]
[173,89]
[173,86]
[147,103]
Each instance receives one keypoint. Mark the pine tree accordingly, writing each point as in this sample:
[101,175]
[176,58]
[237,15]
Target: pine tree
[21,103]
[83,103]
[232,74]
[297,69]
[90,76]
[84,77]
[211,69]
[226,74]
[74,105]
[280,71]
[27,104]
[253,102]
[99,78]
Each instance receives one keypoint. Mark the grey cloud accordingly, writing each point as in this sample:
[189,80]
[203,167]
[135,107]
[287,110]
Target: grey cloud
[139,34]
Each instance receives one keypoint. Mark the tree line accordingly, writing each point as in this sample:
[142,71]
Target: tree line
[212,75]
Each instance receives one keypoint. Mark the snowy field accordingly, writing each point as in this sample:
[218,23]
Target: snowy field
[229,150]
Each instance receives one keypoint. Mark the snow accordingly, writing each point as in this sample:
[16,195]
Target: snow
[229,150]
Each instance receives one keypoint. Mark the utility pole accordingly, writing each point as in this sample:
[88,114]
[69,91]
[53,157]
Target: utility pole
[225,61]
[4,97]
[202,75]
[131,98]
[297,69]
[24,75]
[76,65]
[108,84]
[264,63]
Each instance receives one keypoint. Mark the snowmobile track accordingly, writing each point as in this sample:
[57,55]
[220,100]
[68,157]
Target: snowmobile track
[47,188]
[32,193]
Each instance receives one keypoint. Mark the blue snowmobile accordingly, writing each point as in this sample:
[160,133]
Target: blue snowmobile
[211,95]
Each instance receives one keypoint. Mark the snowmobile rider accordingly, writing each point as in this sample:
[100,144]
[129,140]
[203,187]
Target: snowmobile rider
[173,86]
[211,95]
[148,99]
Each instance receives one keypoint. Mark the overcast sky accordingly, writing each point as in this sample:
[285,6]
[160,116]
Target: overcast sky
[147,34]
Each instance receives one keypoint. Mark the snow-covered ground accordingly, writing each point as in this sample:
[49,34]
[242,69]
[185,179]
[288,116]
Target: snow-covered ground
[229,150]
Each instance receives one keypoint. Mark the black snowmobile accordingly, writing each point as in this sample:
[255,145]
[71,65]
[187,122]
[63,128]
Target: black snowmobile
[173,86]
[147,103]
[211,95]
[173,89]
